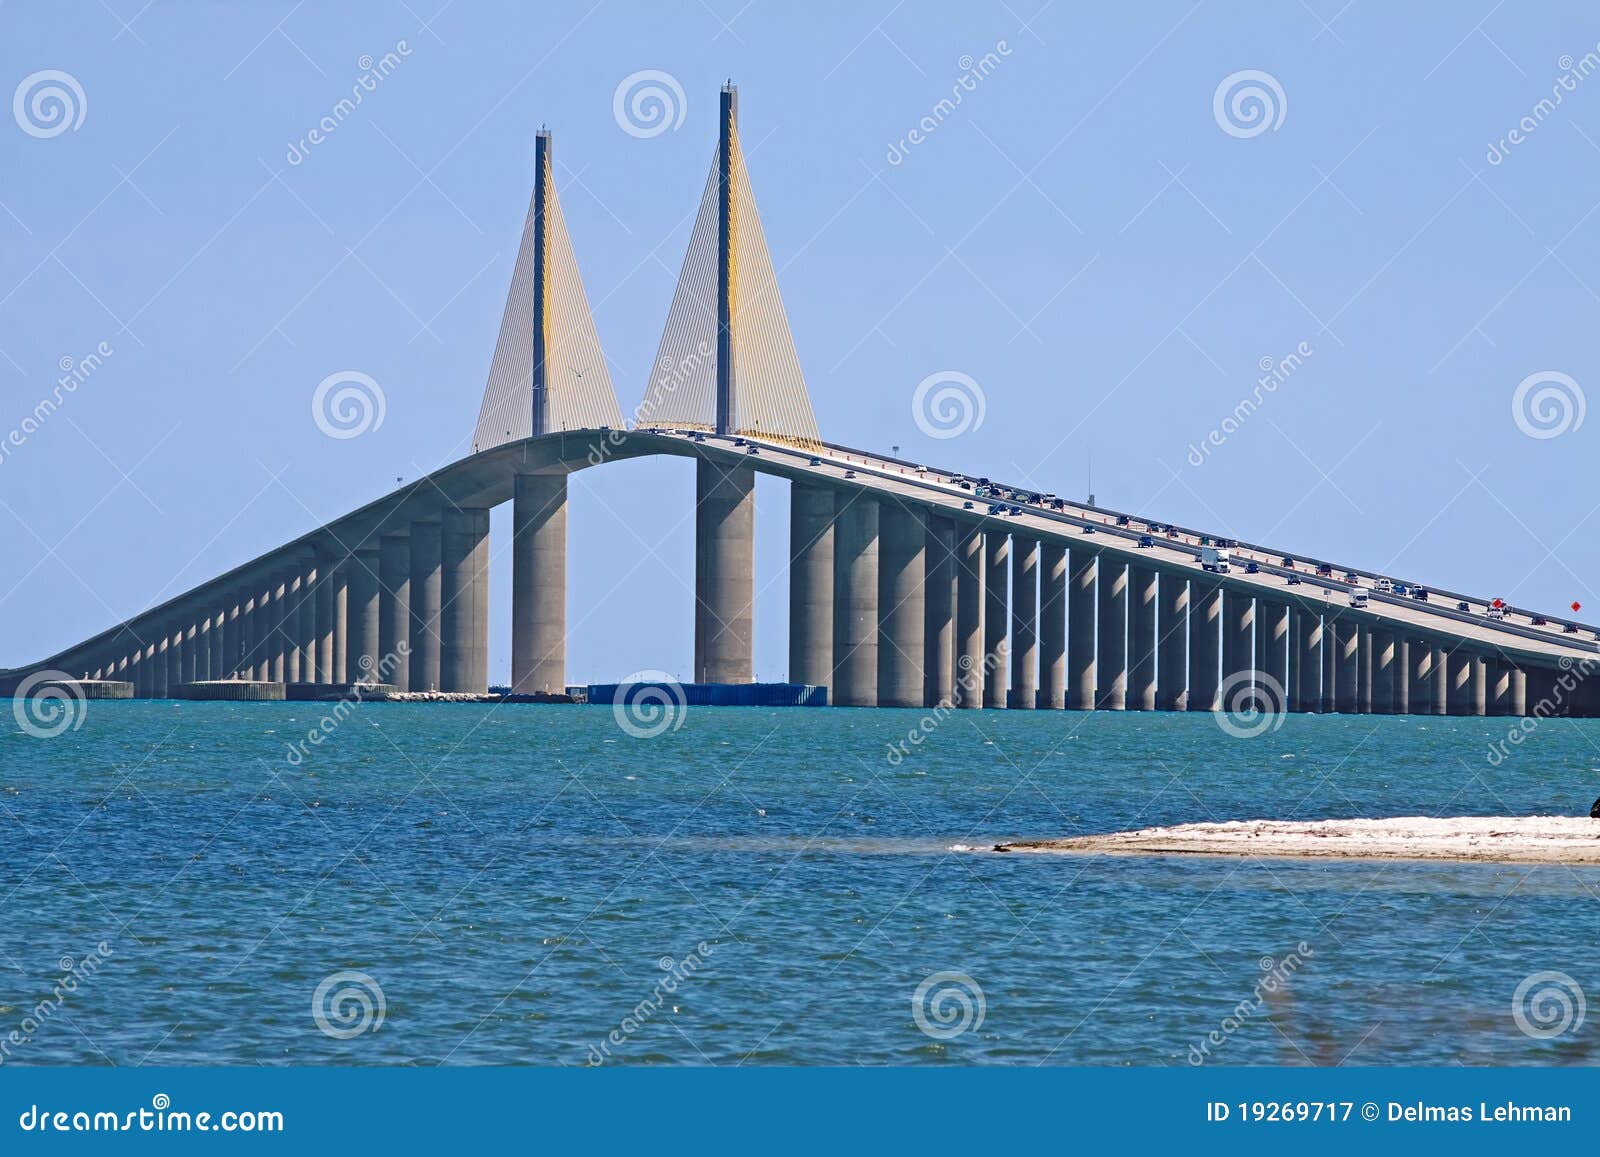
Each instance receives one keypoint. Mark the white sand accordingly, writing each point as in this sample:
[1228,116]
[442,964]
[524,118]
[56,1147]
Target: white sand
[1492,839]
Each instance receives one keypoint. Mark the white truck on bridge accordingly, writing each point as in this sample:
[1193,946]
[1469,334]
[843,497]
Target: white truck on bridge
[1214,559]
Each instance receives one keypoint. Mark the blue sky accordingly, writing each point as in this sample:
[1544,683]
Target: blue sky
[1081,235]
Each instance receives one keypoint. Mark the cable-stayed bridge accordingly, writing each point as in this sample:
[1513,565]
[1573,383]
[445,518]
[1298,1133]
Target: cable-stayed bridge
[910,585]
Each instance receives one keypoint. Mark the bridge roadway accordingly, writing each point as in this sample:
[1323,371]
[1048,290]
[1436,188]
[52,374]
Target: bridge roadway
[410,568]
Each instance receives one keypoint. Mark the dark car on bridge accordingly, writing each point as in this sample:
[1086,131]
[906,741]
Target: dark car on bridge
[1252,567]
[1287,562]
[1294,580]
[1539,621]
[1324,570]
[1087,529]
[1146,542]
[1124,520]
[1461,605]
[1420,594]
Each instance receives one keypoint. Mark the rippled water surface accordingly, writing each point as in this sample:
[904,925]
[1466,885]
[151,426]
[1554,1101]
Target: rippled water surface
[513,879]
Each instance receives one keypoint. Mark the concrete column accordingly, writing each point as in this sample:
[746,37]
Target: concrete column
[1439,682]
[1205,643]
[939,611]
[1499,687]
[1024,622]
[1364,668]
[202,651]
[323,608]
[191,649]
[996,575]
[463,600]
[310,589]
[172,636]
[855,601]
[293,637]
[232,640]
[1330,665]
[1111,638]
[539,584]
[394,610]
[1384,666]
[1238,638]
[1052,626]
[1421,677]
[1081,584]
[277,609]
[426,591]
[902,596]
[1347,676]
[217,666]
[1458,697]
[1519,692]
[1142,598]
[724,572]
[969,616]
[1305,667]
[811,584]
[361,621]
[1402,675]
[249,623]
[1479,685]
[1172,680]
[1272,649]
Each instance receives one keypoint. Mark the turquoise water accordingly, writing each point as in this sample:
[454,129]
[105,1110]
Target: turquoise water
[520,882]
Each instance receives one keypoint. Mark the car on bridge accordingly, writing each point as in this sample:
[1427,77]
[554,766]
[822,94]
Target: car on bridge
[815,461]
[1401,589]
[1384,586]
[849,473]
[1287,563]
[997,508]
[1569,628]
[1539,621]
[1252,567]
[1494,612]
[1420,594]
[1324,570]
[1214,559]
[1351,577]
[1358,598]
[1294,580]
[1463,607]
[1087,529]
[1124,520]
[1146,542]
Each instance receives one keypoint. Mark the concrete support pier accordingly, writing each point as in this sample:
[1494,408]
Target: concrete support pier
[1272,649]
[1205,643]
[1439,685]
[464,600]
[939,614]
[811,584]
[1238,640]
[902,609]
[1305,667]
[1519,692]
[1347,676]
[1052,626]
[394,610]
[1024,622]
[539,584]
[1080,628]
[426,590]
[362,655]
[724,572]
[1143,593]
[1172,626]
[1385,662]
[996,576]
[1402,675]
[1111,636]
[969,616]
[855,601]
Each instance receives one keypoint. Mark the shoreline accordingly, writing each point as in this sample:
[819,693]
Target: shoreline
[1459,839]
